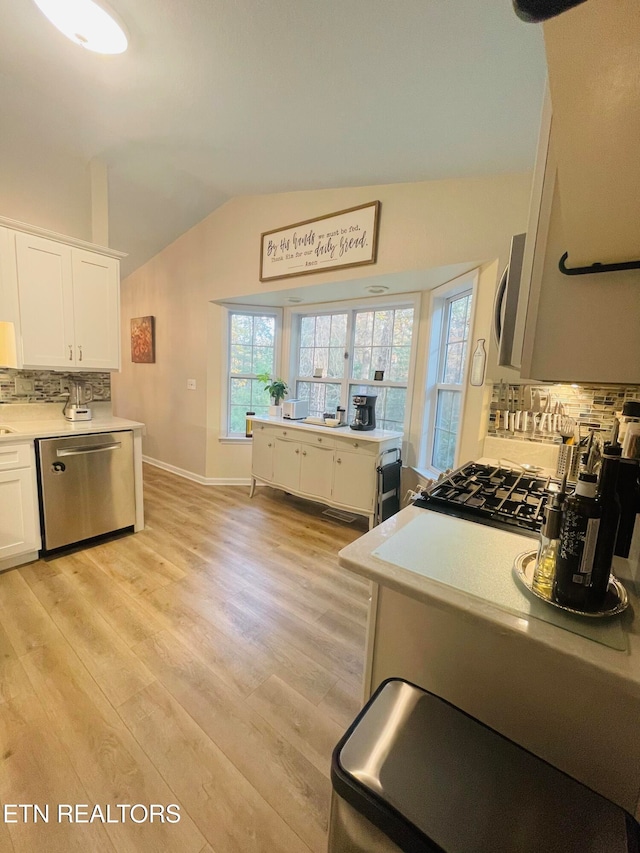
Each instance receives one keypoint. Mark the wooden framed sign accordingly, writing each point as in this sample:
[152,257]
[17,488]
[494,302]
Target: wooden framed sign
[348,238]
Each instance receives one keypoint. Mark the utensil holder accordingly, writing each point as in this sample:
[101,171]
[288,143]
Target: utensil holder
[568,462]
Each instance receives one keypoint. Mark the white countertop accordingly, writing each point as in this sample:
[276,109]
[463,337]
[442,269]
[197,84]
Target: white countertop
[376,435]
[28,430]
[358,557]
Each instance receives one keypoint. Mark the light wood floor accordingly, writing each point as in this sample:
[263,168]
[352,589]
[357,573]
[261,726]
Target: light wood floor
[212,660]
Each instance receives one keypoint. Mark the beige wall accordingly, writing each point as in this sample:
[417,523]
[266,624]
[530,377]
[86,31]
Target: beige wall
[44,186]
[422,225]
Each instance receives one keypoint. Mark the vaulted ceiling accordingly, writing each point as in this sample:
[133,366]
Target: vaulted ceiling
[217,98]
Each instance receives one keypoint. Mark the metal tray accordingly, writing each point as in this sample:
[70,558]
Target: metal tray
[615,601]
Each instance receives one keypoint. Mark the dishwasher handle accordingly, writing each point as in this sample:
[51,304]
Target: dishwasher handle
[81,451]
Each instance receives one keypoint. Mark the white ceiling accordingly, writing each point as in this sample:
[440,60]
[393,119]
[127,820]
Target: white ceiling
[217,98]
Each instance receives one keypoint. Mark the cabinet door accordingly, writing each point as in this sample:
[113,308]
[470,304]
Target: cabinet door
[316,469]
[354,480]
[262,454]
[286,464]
[96,311]
[46,302]
[18,532]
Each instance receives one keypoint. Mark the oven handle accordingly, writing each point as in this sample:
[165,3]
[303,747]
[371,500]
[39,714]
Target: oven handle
[80,451]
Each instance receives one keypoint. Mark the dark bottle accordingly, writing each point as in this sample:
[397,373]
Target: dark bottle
[610,503]
[629,504]
[578,537]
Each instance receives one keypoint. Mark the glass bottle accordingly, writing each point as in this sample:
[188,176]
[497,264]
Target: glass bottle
[478,362]
[545,570]
[578,536]
[610,503]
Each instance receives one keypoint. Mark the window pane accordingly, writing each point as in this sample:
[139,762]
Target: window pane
[454,364]
[238,420]
[383,328]
[240,358]
[322,396]
[364,328]
[336,362]
[361,366]
[305,366]
[338,331]
[321,360]
[400,360]
[262,360]
[240,392]
[403,327]
[380,360]
[323,331]
[443,450]
[307,331]
[241,329]
[264,331]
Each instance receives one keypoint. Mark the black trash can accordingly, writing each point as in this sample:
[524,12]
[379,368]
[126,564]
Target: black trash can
[413,773]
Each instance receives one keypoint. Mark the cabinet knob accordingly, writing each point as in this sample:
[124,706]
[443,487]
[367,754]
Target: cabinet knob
[80,349]
[304,452]
[297,450]
[70,353]
[356,444]
[284,432]
[320,439]
[339,461]
[269,444]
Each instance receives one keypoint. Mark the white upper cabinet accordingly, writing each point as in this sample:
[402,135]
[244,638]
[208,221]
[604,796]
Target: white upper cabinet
[45,290]
[64,300]
[96,310]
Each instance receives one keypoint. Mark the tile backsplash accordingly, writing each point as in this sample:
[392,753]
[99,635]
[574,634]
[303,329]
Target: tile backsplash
[47,387]
[592,406]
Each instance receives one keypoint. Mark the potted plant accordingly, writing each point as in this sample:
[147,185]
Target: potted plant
[277,389]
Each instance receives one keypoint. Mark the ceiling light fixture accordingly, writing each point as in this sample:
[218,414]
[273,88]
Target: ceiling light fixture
[86,23]
[294,299]
[376,289]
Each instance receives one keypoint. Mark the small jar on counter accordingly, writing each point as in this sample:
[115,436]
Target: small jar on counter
[249,425]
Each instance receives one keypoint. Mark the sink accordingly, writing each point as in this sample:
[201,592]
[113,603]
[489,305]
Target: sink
[6,430]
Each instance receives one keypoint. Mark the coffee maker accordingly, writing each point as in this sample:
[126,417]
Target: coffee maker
[365,416]
[80,393]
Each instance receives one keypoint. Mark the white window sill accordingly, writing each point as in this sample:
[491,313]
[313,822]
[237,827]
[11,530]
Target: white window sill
[234,439]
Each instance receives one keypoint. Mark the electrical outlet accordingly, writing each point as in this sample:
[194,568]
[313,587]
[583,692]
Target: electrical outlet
[24,386]
[64,386]
[191,384]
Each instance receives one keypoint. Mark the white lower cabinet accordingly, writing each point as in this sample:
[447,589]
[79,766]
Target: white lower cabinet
[262,457]
[19,526]
[316,471]
[337,470]
[354,479]
[286,464]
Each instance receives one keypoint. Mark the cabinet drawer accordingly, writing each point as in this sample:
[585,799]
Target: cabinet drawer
[355,444]
[15,456]
[317,440]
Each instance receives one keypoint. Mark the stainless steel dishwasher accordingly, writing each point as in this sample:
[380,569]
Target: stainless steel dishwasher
[86,486]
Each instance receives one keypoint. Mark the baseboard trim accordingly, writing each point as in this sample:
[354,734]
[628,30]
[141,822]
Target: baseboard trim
[197,478]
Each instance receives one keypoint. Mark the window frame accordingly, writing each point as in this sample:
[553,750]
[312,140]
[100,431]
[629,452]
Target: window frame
[226,436]
[441,298]
[350,307]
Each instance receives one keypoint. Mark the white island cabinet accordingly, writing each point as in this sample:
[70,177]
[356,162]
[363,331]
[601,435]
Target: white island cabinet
[571,700]
[335,466]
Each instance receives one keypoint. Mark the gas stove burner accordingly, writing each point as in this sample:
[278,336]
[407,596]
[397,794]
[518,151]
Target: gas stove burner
[500,497]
